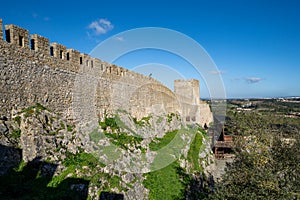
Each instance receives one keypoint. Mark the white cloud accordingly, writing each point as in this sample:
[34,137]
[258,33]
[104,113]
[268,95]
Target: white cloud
[101,26]
[34,15]
[235,79]
[253,80]
[119,38]
[46,19]
[217,72]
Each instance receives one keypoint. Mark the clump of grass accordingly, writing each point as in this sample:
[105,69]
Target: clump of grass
[117,135]
[170,117]
[16,133]
[32,109]
[81,159]
[161,142]
[123,140]
[69,128]
[18,120]
[193,153]
[142,122]
[201,130]
[167,183]
[56,180]
[111,122]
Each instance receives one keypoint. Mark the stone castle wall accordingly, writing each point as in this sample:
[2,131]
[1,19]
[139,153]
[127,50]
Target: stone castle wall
[33,70]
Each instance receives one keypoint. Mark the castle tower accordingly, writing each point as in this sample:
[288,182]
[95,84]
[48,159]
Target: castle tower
[17,36]
[188,90]
[1,30]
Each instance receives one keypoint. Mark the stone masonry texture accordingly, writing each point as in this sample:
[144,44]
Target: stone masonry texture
[32,70]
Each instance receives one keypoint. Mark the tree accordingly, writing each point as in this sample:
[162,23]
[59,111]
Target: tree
[266,165]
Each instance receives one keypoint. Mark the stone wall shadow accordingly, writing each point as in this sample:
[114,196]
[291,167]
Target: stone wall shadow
[30,182]
[10,157]
[111,196]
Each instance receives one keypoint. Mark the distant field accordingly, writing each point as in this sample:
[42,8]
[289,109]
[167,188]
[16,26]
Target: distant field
[280,114]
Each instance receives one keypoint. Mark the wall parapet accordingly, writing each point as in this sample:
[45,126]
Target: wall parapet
[39,44]
[35,70]
[39,49]
[16,35]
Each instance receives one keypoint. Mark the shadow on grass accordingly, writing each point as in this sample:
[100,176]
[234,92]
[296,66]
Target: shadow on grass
[29,181]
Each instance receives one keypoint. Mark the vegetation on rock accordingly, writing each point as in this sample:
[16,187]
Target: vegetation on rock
[65,171]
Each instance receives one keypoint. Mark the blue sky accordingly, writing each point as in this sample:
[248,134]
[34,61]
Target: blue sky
[254,43]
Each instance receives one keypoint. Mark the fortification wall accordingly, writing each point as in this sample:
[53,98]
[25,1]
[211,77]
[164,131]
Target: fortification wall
[24,80]
[33,70]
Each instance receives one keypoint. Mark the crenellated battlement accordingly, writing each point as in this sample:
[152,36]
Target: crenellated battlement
[16,35]
[39,44]
[39,49]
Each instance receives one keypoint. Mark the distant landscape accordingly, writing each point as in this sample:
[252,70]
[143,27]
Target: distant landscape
[266,149]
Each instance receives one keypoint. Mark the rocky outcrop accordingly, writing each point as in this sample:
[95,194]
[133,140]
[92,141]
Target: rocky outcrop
[46,135]
[10,152]
[50,138]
